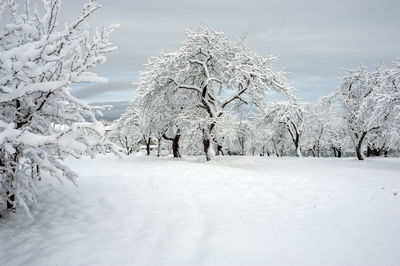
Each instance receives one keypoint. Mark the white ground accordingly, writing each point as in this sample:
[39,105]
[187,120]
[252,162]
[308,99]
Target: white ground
[234,211]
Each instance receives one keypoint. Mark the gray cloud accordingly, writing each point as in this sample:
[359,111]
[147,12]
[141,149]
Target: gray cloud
[97,89]
[115,112]
[314,39]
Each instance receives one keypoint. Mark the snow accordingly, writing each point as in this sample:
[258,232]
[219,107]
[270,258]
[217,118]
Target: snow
[232,211]
[31,88]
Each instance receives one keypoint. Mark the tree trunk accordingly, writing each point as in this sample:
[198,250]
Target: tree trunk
[10,196]
[369,151]
[175,143]
[276,151]
[159,147]
[35,172]
[206,145]
[296,144]
[208,149]
[339,153]
[298,151]
[241,142]
[334,151]
[372,151]
[175,146]
[148,146]
[207,142]
[11,204]
[359,152]
[313,152]
[219,149]
[10,201]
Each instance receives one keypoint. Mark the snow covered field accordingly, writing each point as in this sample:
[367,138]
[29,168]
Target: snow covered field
[233,211]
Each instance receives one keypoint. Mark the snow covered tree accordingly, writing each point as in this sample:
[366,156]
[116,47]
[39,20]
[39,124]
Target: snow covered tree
[369,101]
[226,134]
[152,126]
[215,74]
[290,114]
[351,95]
[243,134]
[314,130]
[40,121]
[126,131]
[232,134]
[385,97]
[134,128]
[255,144]
[273,137]
[164,114]
[335,136]
[280,139]
[324,129]
[260,139]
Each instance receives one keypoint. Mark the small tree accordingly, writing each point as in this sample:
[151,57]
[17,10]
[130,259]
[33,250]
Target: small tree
[231,134]
[126,131]
[291,115]
[335,135]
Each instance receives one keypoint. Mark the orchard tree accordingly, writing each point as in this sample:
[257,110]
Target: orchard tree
[125,132]
[291,115]
[279,139]
[324,129]
[255,143]
[368,101]
[226,134]
[153,126]
[231,134]
[351,95]
[314,129]
[336,136]
[261,138]
[40,121]
[274,136]
[215,74]
[385,97]
[164,113]
[133,126]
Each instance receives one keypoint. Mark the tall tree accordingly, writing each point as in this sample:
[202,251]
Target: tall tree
[216,73]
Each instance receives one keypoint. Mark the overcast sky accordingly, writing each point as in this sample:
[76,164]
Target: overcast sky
[314,39]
